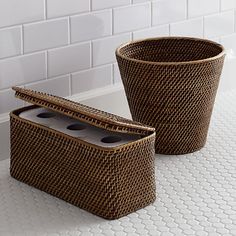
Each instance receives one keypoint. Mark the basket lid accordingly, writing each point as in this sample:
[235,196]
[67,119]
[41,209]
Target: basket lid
[82,112]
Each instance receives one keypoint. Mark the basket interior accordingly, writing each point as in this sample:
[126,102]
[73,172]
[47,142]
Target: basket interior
[171,50]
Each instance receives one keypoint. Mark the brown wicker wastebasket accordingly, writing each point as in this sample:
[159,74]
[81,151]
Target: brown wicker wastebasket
[171,84]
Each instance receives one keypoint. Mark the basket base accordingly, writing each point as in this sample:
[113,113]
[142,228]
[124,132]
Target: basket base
[178,152]
[110,216]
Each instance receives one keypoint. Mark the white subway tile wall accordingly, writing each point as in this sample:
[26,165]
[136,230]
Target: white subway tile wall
[22,69]
[44,35]
[228,4]
[14,12]
[58,86]
[56,8]
[229,42]
[68,59]
[131,18]
[95,78]
[202,7]
[151,32]
[101,4]
[219,24]
[10,42]
[66,47]
[116,74]
[192,28]
[98,24]
[167,11]
[104,49]
[8,101]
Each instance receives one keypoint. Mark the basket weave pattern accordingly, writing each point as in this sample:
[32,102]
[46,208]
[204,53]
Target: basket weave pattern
[109,182]
[170,86]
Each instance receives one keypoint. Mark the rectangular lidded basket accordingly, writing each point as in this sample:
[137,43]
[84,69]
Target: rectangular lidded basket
[110,182]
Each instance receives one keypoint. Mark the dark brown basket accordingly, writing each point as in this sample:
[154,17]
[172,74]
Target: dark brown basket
[109,182]
[171,84]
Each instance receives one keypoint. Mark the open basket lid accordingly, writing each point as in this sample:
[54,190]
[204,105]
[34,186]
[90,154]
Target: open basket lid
[83,113]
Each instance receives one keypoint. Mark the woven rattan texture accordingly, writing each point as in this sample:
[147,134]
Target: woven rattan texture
[82,112]
[175,98]
[107,182]
[196,195]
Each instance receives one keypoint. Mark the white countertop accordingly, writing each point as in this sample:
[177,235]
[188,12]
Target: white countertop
[196,194]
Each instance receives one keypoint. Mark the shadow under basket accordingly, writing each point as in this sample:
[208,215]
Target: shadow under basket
[108,181]
[171,84]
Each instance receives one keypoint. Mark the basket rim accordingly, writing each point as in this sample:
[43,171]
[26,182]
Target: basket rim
[222,53]
[13,114]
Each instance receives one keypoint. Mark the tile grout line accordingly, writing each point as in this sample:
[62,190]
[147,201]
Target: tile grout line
[112,22]
[70,84]
[58,76]
[91,55]
[113,73]
[46,64]
[45,9]
[48,19]
[22,40]
[70,15]
[203,24]
[187,15]
[66,45]
[234,20]
[69,30]
[90,5]
[150,15]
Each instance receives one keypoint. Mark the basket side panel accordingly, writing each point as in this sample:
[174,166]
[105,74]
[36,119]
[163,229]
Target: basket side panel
[79,174]
[136,177]
[175,99]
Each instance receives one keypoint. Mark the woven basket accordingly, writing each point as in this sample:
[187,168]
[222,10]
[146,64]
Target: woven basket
[171,84]
[107,181]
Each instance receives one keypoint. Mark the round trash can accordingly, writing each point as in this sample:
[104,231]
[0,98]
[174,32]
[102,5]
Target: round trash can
[171,84]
